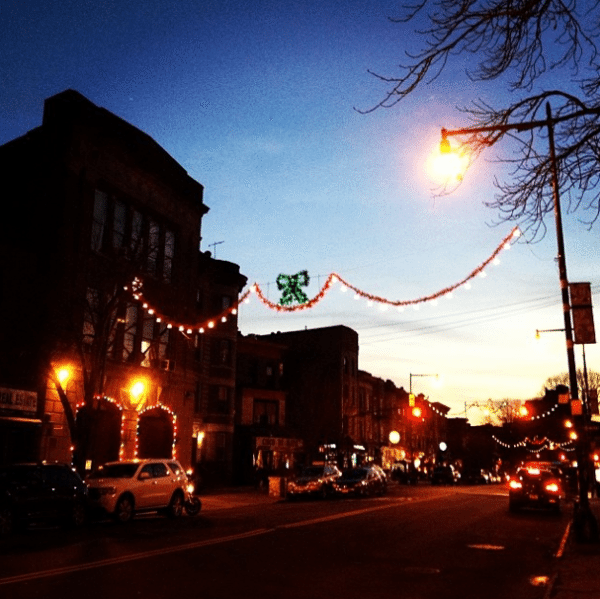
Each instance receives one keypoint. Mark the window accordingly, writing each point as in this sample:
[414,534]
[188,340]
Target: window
[99,220]
[147,339]
[221,354]
[160,470]
[90,315]
[119,225]
[136,242]
[130,331]
[197,347]
[147,469]
[164,341]
[219,399]
[116,226]
[153,245]
[169,252]
[266,412]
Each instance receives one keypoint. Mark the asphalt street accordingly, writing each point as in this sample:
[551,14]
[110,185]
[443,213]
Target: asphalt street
[416,542]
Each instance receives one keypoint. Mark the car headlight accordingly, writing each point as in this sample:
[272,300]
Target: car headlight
[515,484]
[552,488]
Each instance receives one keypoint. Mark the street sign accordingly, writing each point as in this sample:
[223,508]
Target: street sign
[583,315]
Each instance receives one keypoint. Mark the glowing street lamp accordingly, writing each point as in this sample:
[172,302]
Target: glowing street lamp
[562,266]
[584,513]
[64,374]
[137,391]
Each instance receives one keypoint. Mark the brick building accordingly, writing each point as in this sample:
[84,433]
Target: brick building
[264,442]
[106,300]
[321,377]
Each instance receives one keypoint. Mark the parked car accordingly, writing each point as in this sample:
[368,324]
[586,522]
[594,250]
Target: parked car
[475,476]
[363,481]
[405,473]
[444,475]
[32,493]
[124,488]
[313,481]
[534,488]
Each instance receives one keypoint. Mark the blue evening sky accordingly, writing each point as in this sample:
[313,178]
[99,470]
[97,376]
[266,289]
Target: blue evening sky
[256,100]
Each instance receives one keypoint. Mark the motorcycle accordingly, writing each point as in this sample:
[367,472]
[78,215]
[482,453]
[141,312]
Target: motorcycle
[192,504]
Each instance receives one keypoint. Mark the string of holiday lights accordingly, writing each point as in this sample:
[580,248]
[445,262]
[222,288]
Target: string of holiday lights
[547,444]
[223,317]
[173,418]
[545,414]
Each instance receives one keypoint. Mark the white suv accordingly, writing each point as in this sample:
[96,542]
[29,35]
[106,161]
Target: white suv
[123,488]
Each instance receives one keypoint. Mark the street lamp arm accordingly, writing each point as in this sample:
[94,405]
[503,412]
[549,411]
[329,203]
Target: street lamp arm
[524,126]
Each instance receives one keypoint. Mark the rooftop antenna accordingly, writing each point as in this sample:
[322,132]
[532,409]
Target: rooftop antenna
[214,245]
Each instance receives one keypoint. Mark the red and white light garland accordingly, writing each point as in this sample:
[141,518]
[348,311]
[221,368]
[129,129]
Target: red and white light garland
[223,317]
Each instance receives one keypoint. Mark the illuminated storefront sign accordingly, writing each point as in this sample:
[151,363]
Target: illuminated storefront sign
[17,400]
[278,443]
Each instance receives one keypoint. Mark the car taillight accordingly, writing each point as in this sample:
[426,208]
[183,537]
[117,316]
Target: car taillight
[552,487]
[515,484]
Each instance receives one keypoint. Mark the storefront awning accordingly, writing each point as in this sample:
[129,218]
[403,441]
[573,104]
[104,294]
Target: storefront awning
[21,420]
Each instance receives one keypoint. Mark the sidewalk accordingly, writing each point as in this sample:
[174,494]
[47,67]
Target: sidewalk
[578,569]
[223,498]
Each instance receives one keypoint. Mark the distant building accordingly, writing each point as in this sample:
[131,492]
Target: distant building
[264,442]
[321,378]
[102,281]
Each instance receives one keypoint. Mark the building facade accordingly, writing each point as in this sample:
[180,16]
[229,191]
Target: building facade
[321,377]
[119,334]
[264,442]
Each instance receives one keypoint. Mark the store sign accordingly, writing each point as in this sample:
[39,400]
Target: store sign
[278,443]
[15,399]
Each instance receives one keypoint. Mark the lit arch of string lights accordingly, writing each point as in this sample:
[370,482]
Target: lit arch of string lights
[223,317]
[539,444]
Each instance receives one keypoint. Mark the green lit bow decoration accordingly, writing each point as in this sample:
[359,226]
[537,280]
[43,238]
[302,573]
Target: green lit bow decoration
[290,285]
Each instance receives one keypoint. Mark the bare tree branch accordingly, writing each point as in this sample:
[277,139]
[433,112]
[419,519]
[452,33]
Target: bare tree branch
[518,41]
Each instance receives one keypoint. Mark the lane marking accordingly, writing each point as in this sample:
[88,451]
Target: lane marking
[487,547]
[113,561]
[157,552]
[335,516]
[563,541]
